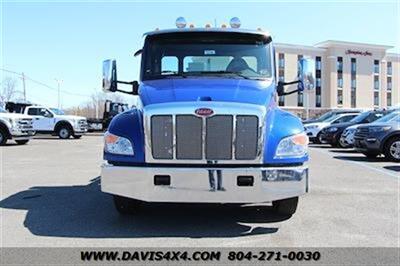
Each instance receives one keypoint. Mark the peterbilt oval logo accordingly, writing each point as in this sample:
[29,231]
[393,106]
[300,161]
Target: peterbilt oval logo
[204,111]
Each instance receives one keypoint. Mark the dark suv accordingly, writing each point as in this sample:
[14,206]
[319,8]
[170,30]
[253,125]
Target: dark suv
[332,134]
[379,138]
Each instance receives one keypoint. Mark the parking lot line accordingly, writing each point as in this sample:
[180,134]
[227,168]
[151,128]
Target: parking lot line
[361,164]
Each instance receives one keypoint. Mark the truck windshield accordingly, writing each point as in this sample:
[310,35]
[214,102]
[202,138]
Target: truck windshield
[211,54]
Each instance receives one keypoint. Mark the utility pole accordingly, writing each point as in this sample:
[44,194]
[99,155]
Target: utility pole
[59,81]
[23,85]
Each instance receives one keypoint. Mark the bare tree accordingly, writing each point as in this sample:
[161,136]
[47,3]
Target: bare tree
[8,89]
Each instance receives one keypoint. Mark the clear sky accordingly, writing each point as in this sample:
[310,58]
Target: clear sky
[69,40]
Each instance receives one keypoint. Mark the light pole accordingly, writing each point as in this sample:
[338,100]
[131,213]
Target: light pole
[59,81]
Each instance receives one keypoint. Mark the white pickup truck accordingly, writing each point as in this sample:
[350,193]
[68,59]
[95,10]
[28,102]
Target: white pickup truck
[17,127]
[54,121]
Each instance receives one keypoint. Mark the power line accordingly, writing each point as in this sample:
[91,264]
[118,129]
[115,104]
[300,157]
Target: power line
[43,84]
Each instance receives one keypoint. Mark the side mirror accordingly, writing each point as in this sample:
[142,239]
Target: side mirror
[110,75]
[306,74]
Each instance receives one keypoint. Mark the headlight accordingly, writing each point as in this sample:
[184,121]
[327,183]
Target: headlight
[117,145]
[379,129]
[293,146]
[332,129]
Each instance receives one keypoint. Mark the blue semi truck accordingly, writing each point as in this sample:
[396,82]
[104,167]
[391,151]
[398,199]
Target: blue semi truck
[207,128]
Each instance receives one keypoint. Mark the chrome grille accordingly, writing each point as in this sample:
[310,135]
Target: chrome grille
[161,136]
[246,137]
[219,137]
[189,137]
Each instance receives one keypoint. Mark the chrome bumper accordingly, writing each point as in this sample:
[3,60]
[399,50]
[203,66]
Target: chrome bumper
[205,185]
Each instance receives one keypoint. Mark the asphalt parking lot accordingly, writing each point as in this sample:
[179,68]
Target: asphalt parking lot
[50,196]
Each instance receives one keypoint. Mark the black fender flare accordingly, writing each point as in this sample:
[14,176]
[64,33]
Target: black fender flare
[61,123]
[5,129]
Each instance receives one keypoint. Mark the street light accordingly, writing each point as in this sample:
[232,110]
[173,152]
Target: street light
[59,81]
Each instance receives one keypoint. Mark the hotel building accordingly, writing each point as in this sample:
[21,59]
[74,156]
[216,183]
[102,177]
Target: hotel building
[348,75]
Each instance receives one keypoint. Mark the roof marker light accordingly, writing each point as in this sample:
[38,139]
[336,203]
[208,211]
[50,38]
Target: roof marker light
[208,25]
[191,25]
[223,26]
[235,22]
[180,22]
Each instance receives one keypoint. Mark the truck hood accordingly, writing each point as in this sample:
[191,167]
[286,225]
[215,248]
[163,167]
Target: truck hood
[14,115]
[207,89]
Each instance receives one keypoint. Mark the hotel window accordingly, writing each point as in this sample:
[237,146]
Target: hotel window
[300,96]
[318,81]
[353,99]
[389,68]
[376,98]
[376,66]
[281,76]
[389,83]
[376,82]
[281,61]
[340,64]
[389,98]
[353,65]
[340,97]
[340,80]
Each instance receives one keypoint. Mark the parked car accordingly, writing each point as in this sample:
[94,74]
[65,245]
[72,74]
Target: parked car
[51,120]
[379,138]
[313,130]
[16,127]
[332,134]
[347,138]
[330,114]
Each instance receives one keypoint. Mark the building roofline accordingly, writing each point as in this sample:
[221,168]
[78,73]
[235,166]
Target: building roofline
[332,43]
[295,46]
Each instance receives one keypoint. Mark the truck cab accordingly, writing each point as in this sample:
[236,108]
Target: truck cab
[207,128]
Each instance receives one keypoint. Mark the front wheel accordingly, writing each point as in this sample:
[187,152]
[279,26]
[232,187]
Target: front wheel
[286,206]
[22,142]
[392,149]
[317,140]
[126,205]
[64,132]
[3,137]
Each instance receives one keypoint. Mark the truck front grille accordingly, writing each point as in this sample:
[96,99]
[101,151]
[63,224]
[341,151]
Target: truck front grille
[219,137]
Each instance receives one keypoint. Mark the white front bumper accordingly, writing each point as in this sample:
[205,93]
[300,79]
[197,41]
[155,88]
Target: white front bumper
[195,184]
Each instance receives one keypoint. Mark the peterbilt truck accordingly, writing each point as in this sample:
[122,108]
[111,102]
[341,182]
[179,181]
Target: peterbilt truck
[207,128]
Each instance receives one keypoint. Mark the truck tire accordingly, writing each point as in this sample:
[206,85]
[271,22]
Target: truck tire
[77,136]
[286,206]
[22,141]
[392,149]
[126,205]
[3,137]
[64,132]
[317,139]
